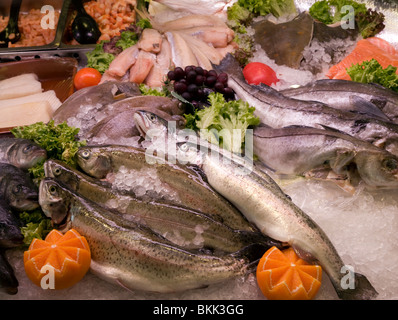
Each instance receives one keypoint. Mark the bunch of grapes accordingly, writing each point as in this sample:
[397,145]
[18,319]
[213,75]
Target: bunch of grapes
[195,84]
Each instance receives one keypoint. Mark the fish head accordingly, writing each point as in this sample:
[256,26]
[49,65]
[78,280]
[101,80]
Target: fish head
[378,169]
[22,195]
[59,170]
[26,154]
[93,162]
[10,227]
[149,124]
[54,201]
[189,153]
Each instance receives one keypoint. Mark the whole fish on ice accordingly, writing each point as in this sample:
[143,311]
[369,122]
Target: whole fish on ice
[276,110]
[263,203]
[132,255]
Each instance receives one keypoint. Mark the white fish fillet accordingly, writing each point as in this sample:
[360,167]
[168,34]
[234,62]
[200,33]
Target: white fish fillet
[191,21]
[206,7]
[150,40]
[123,62]
[140,70]
[48,96]
[19,86]
[218,37]
[157,75]
[25,114]
[181,52]
[211,53]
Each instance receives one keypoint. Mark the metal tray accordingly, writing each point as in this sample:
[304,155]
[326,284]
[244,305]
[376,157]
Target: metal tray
[59,5]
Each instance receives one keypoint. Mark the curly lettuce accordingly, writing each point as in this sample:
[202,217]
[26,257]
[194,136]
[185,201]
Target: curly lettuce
[99,59]
[223,122]
[372,72]
[277,8]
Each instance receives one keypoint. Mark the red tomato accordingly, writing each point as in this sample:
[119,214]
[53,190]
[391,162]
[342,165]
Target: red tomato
[257,72]
[86,77]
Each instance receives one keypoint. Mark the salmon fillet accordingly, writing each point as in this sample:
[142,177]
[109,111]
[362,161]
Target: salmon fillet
[365,50]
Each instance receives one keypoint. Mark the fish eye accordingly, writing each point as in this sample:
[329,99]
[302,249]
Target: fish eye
[152,117]
[390,164]
[27,148]
[52,189]
[57,171]
[17,189]
[184,147]
[85,154]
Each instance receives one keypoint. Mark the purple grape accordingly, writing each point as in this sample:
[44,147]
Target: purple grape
[199,80]
[191,76]
[186,96]
[192,89]
[212,73]
[223,78]
[189,68]
[180,87]
[179,73]
[199,70]
[210,81]
[171,75]
[219,87]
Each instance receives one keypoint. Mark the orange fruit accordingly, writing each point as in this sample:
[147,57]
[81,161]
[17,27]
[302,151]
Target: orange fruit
[282,275]
[63,259]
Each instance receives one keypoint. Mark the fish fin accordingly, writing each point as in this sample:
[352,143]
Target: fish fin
[366,107]
[379,102]
[362,289]
[328,175]
[342,160]
[120,283]
[326,127]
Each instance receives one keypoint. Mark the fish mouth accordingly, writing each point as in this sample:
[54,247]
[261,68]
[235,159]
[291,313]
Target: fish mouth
[140,122]
[64,225]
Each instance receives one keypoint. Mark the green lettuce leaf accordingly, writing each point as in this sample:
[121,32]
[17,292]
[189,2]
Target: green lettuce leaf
[224,122]
[372,72]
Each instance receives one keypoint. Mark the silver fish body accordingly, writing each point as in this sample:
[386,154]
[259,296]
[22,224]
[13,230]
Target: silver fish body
[131,255]
[263,203]
[184,226]
[276,110]
[297,150]
[371,99]
[21,153]
[189,184]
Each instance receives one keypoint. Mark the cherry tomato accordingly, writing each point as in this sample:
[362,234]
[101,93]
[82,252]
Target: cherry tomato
[257,72]
[86,77]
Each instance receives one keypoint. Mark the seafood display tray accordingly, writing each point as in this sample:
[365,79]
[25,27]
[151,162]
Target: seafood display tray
[58,47]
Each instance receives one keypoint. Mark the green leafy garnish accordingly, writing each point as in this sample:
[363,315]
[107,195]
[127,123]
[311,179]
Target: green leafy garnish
[99,59]
[223,122]
[372,72]
[59,141]
[330,11]
[147,91]
[144,23]
[127,39]
[368,21]
[263,7]
[36,225]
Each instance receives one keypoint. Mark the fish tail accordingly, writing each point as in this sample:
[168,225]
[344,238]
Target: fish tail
[362,290]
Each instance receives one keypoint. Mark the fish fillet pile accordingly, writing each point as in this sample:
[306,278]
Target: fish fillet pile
[197,40]
[365,50]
